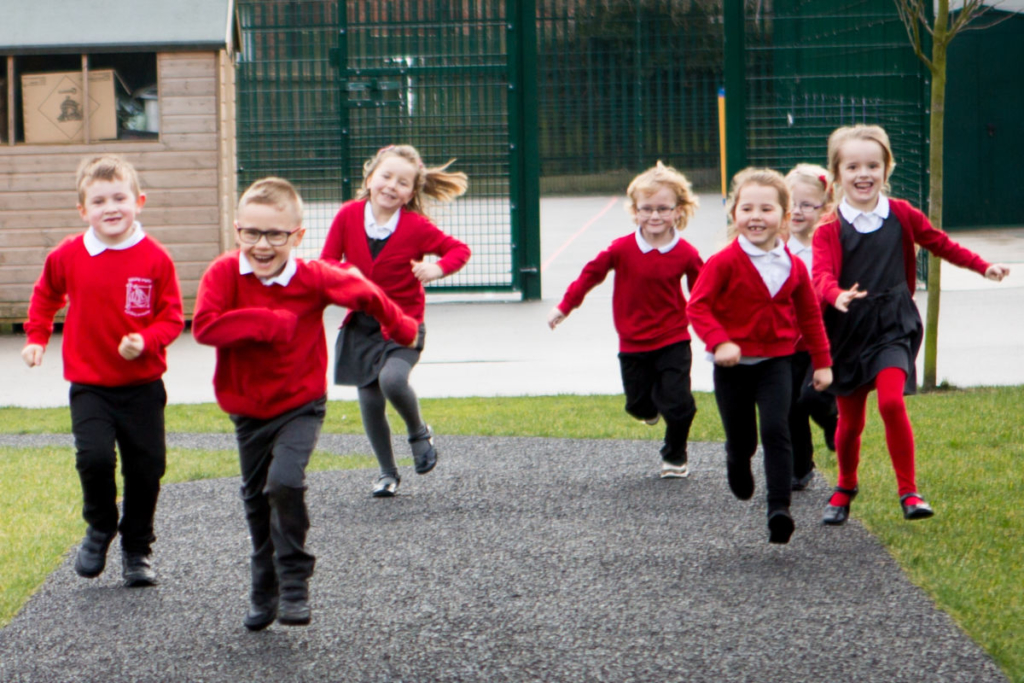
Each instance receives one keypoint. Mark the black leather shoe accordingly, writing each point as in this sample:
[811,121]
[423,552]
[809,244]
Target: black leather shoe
[293,611]
[425,460]
[137,570]
[838,514]
[780,526]
[800,483]
[261,614]
[920,511]
[92,553]
[741,481]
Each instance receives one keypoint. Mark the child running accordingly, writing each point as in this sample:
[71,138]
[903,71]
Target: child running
[865,271]
[649,308]
[124,309]
[751,305]
[263,309]
[809,200]
[385,234]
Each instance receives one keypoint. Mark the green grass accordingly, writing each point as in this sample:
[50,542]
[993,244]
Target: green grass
[970,457]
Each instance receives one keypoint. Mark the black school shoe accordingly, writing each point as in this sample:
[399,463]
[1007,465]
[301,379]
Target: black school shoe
[262,613]
[424,459]
[780,526]
[92,553]
[920,511]
[741,480]
[838,514]
[137,570]
[801,483]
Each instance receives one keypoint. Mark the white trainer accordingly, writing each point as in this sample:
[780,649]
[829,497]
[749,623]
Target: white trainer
[670,471]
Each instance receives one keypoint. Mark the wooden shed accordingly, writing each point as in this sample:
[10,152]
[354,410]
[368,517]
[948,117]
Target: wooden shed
[159,78]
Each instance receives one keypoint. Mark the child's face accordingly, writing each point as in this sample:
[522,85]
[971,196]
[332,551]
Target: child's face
[111,208]
[861,172]
[267,224]
[391,184]
[758,215]
[807,201]
[657,213]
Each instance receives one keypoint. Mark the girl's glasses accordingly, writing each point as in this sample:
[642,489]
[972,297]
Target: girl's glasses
[275,238]
[648,211]
[807,207]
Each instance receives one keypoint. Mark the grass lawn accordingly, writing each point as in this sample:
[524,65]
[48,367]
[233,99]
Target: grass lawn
[970,460]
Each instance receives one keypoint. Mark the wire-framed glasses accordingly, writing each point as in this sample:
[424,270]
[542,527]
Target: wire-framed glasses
[807,207]
[648,211]
[275,238]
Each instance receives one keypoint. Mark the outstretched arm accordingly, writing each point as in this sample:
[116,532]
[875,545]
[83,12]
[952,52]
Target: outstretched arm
[355,292]
[216,323]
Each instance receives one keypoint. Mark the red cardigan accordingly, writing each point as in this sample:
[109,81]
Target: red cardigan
[828,251]
[414,238]
[648,305]
[731,304]
[111,294]
[271,348]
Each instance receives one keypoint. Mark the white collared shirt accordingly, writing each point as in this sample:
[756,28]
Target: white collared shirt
[95,247]
[379,232]
[774,265]
[646,247]
[805,254]
[282,278]
[866,221]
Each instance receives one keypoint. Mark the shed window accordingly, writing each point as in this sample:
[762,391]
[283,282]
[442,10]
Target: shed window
[41,98]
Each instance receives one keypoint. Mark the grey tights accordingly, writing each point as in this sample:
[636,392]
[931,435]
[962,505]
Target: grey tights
[392,385]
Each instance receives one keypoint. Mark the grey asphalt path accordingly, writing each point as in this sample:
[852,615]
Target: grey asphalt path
[518,559]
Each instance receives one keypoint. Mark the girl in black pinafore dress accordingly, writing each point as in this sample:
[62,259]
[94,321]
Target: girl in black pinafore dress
[865,271]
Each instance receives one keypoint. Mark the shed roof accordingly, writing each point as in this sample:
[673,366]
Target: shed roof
[55,26]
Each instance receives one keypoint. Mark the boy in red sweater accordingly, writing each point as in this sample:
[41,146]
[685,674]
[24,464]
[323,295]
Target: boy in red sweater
[263,310]
[752,304]
[649,308]
[125,309]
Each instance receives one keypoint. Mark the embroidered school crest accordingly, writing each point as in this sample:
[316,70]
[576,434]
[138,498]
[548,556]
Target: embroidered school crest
[138,296]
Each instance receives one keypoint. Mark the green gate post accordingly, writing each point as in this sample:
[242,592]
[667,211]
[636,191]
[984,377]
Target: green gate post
[735,89]
[524,133]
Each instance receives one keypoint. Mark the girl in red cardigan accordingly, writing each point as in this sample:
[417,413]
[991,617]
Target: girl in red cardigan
[649,308]
[753,302]
[385,234]
[865,271]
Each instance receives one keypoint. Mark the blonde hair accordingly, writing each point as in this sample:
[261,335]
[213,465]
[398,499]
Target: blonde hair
[661,176]
[841,136]
[107,167]
[275,192]
[435,182]
[765,177]
[812,174]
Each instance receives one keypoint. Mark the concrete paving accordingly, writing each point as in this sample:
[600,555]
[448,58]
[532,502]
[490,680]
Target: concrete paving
[490,346]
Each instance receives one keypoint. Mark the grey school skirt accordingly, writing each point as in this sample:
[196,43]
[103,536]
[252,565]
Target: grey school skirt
[361,351]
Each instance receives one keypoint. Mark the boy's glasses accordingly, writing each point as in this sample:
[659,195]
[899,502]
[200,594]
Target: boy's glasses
[807,207]
[648,211]
[275,238]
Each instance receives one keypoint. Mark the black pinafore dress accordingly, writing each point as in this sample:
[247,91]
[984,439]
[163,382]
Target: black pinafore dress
[882,330]
[361,349]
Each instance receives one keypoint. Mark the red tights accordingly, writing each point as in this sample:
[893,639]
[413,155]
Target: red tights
[899,436]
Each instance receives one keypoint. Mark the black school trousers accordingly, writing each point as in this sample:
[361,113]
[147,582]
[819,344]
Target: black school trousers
[132,418]
[749,396]
[808,405]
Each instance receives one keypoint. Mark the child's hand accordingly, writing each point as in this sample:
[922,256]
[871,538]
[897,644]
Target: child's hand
[727,354]
[426,272]
[555,317]
[131,346]
[32,354]
[997,271]
[843,300]
[822,379]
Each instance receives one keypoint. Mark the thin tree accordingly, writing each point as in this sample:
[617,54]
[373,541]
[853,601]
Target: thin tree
[916,17]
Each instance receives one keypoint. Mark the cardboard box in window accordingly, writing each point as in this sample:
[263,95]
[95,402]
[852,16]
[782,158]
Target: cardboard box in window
[53,109]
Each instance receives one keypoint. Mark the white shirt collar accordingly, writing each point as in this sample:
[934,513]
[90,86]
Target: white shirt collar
[379,232]
[95,247]
[866,221]
[282,278]
[646,246]
[774,266]
[753,250]
[795,246]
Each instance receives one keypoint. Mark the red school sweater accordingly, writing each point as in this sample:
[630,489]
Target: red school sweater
[828,250]
[648,306]
[271,348]
[414,238]
[731,303]
[109,295]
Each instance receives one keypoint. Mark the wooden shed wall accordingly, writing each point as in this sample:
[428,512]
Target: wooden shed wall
[188,177]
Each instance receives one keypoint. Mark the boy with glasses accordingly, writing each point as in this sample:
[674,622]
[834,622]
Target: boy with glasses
[263,309]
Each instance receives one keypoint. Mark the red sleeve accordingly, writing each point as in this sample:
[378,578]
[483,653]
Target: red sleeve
[355,292]
[827,260]
[454,253]
[216,323]
[334,245]
[937,241]
[592,275]
[168,318]
[808,315]
[693,271]
[712,282]
[48,296]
